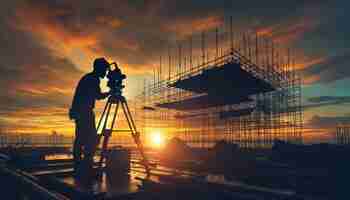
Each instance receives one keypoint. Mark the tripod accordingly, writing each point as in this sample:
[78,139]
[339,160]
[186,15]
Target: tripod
[117,100]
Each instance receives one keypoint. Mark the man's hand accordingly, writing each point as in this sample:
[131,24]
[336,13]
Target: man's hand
[106,94]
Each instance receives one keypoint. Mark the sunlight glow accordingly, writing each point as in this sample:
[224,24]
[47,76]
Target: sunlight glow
[157,139]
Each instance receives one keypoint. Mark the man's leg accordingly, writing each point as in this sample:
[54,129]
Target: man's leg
[78,145]
[90,149]
[77,150]
[91,142]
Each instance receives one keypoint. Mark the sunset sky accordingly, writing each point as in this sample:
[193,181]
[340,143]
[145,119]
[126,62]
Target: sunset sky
[46,46]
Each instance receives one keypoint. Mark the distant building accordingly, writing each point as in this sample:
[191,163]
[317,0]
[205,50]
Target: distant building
[343,134]
[35,139]
[56,139]
[2,139]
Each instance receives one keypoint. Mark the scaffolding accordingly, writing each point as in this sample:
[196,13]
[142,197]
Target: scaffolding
[223,85]
[343,134]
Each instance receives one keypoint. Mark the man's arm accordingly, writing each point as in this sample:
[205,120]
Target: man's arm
[97,92]
[102,95]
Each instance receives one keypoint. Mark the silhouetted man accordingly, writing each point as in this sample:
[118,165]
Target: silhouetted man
[82,111]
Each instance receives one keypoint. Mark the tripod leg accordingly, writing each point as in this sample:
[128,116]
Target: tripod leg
[103,150]
[135,134]
[106,118]
[129,114]
[115,115]
[102,115]
[105,137]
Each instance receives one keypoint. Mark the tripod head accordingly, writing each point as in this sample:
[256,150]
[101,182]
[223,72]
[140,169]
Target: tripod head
[115,80]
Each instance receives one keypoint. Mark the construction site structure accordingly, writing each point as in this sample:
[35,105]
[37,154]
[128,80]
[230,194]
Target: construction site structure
[342,134]
[223,85]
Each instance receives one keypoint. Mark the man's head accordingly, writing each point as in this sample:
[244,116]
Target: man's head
[100,67]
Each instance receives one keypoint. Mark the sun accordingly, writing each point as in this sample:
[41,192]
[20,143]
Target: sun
[157,139]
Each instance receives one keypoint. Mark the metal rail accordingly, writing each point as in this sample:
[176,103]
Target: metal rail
[29,185]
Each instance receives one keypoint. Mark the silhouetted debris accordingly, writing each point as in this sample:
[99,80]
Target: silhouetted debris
[226,158]
[225,147]
[177,154]
[321,169]
[177,150]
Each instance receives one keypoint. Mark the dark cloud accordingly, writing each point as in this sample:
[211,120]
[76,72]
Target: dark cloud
[328,122]
[124,30]
[335,99]
[330,69]
[29,68]
[33,78]
[329,41]
[322,101]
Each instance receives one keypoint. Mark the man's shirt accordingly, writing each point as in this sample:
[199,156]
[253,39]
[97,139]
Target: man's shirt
[87,91]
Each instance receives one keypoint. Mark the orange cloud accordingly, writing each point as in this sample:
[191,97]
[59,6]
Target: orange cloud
[311,79]
[39,90]
[186,27]
[305,62]
[42,21]
[289,31]
[80,42]
[39,120]
[317,135]
[76,42]
[109,21]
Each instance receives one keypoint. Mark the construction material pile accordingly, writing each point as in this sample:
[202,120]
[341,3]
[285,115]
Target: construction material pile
[176,152]
[177,149]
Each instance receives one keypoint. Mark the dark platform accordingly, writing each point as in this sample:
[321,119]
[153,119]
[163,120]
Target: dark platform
[226,80]
[205,101]
[222,85]
[236,113]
